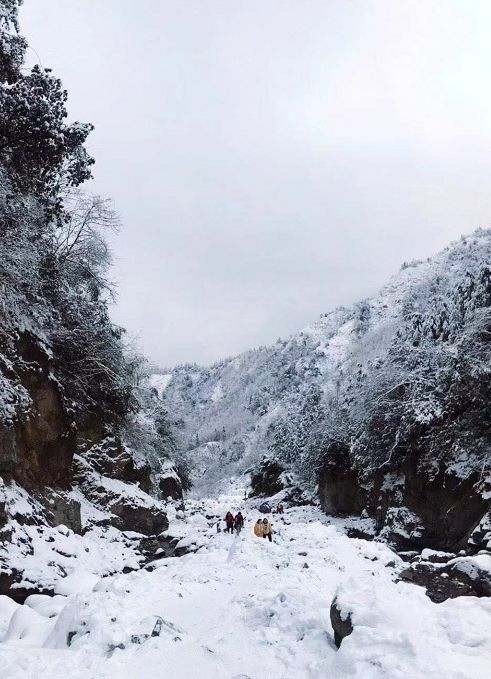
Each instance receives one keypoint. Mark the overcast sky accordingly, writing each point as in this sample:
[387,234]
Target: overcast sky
[272,159]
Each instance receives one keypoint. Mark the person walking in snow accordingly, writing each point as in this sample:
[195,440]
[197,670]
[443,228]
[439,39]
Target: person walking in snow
[279,509]
[267,529]
[229,520]
[239,523]
[258,528]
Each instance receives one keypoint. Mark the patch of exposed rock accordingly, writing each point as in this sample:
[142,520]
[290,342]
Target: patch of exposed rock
[129,507]
[37,443]
[270,480]
[341,622]
[447,578]
[413,506]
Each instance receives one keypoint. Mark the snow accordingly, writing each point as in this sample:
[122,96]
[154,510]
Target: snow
[76,583]
[7,609]
[160,382]
[46,555]
[473,566]
[241,607]
[436,555]
[217,393]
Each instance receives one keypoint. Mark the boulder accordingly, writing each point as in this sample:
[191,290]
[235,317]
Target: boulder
[409,555]
[363,528]
[341,623]
[157,547]
[434,556]
[403,529]
[140,518]
[297,497]
[475,571]
[153,627]
[265,508]
[9,586]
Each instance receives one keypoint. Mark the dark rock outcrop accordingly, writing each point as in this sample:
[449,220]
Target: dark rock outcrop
[340,493]
[341,623]
[170,487]
[413,506]
[3,514]
[10,586]
[61,509]
[460,576]
[438,584]
[130,516]
[268,481]
[130,509]
[480,538]
[37,447]
[472,573]
[111,458]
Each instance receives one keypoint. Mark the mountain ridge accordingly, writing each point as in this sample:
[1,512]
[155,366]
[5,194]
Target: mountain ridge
[371,383]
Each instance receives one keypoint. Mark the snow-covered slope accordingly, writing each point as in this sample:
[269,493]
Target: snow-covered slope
[291,399]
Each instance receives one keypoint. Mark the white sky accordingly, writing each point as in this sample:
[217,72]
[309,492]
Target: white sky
[272,159]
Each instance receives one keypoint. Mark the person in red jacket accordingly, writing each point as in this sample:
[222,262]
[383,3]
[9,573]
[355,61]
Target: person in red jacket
[229,520]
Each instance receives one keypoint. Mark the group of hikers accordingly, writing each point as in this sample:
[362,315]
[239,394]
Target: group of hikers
[234,523]
[263,528]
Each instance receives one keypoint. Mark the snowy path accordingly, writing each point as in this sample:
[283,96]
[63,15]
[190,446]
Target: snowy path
[243,608]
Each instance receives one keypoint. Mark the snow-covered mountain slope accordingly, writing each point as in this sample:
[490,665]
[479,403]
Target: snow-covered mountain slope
[273,400]
[383,405]
[223,414]
[242,607]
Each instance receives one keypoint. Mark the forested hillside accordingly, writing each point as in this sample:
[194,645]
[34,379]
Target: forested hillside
[385,404]
[73,395]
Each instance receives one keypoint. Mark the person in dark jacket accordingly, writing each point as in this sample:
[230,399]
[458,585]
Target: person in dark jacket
[239,522]
[229,521]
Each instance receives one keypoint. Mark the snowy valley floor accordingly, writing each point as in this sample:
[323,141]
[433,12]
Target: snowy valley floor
[241,608]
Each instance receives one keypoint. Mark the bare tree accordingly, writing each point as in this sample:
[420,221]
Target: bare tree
[80,242]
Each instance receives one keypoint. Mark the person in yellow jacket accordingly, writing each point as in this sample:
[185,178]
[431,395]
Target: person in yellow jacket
[258,529]
[267,529]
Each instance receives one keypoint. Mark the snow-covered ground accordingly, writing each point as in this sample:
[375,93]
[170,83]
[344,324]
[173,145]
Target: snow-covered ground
[240,608]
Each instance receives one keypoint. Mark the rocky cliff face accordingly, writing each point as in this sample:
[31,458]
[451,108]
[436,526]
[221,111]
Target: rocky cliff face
[38,440]
[411,508]
[55,475]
